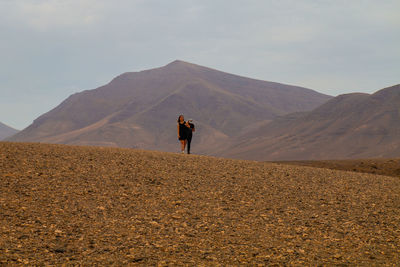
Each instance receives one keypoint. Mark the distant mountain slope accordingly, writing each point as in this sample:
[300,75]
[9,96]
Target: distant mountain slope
[348,126]
[6,131]
[140,109]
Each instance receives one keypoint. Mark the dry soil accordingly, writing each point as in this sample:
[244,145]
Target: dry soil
[106,206]
[389,167]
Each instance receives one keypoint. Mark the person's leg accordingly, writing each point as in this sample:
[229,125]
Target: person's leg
[189,140]
[183,144]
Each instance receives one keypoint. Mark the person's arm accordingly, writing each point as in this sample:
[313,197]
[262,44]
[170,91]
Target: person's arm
[193,129]
[178,131]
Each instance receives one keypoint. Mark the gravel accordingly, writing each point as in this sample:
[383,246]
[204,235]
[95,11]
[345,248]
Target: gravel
[108,206]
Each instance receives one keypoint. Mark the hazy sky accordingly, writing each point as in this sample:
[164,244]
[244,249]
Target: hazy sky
[50,49]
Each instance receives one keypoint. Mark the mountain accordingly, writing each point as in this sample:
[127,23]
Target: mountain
[346,127]
[140,109]
[6,131]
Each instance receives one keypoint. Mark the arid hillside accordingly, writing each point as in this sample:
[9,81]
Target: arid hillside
[351,126]
[108,206]
[140,109]
[6,131]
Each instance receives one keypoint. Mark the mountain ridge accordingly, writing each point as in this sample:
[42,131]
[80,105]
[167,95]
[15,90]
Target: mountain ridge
[348,126]
[6,131]
[139,109]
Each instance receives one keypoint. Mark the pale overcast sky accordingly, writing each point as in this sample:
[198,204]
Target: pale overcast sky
[50,49]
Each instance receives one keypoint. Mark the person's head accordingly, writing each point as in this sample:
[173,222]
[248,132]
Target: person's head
[181,118]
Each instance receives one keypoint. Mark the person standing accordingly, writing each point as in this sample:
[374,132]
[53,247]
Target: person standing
[182,132]
[190,130]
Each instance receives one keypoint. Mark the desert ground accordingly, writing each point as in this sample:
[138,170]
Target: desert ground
[107,206]
[382,166]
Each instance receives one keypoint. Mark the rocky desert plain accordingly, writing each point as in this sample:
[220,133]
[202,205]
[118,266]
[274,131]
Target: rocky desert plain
[77,205]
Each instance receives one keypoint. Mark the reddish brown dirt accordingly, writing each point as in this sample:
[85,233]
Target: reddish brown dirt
[107,206]
[388,167]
